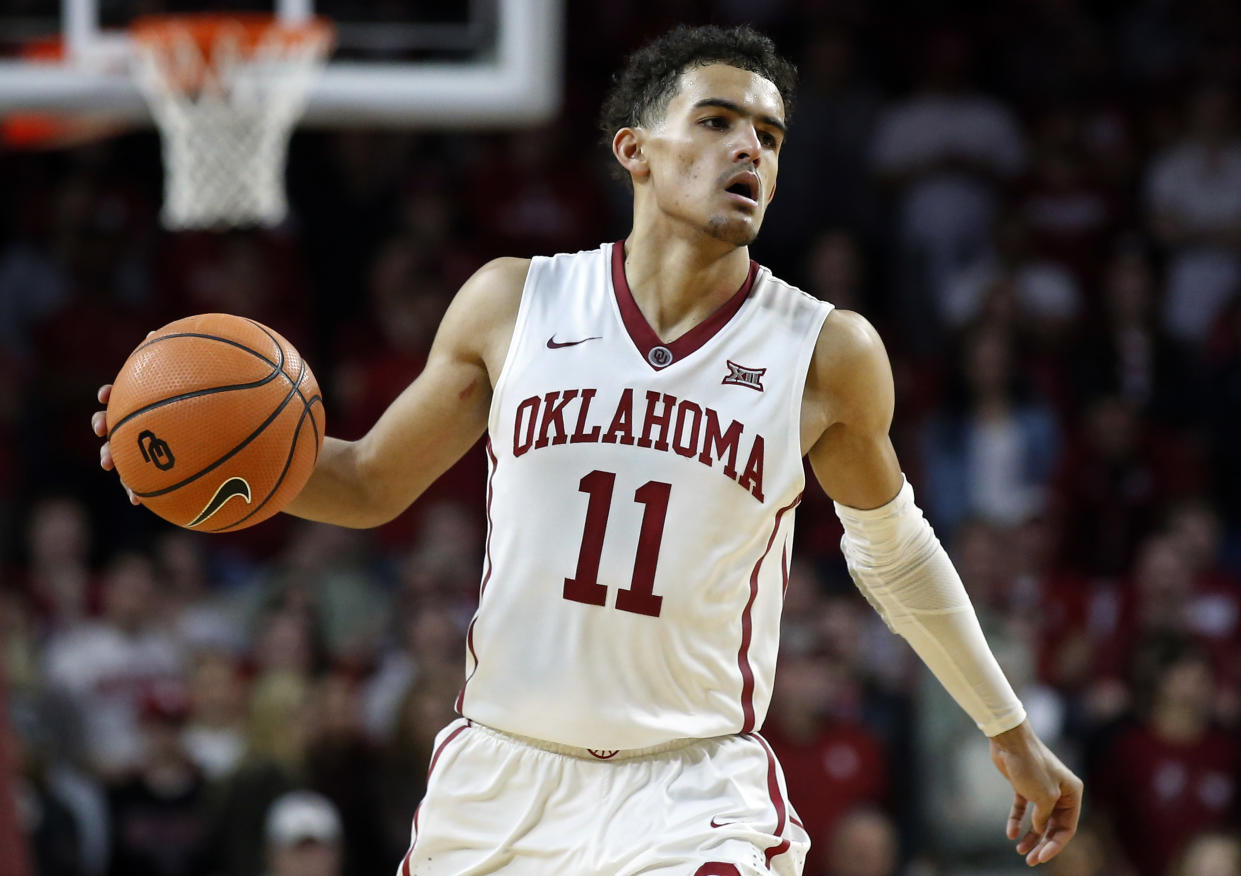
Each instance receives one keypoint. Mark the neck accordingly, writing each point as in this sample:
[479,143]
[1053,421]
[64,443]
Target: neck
[678,282]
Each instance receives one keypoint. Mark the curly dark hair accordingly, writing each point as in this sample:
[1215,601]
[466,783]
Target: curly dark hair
[641,91]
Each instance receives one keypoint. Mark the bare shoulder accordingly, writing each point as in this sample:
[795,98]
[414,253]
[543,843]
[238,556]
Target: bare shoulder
[493,292]
[850,376]
[479,322]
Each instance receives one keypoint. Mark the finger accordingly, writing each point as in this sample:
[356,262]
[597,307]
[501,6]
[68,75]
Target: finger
[104,392]
[1028,842]
[105,457]
[1047,848]
[1061,827]
[133,499]
[99,423]
[1039,814]
[1015,815]
[1044,852]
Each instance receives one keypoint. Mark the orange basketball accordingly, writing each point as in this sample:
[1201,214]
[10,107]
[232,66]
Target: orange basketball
[215,422]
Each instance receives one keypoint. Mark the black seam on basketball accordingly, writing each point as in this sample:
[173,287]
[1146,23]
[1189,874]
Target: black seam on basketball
[226,456]
[278,368]
[240,346]
[280,347]
[313,423]
[297,432]
[309,402]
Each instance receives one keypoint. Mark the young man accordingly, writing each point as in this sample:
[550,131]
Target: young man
[648,405]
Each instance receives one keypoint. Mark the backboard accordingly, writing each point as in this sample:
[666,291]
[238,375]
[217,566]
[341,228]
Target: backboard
[447,64]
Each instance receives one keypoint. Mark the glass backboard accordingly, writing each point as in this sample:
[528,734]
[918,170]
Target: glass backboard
[424,63]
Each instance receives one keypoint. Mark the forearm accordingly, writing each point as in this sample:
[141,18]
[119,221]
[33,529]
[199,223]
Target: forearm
[900,566]
[338,490]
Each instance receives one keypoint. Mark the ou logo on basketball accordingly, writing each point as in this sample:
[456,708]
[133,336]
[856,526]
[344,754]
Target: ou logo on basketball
[155,450]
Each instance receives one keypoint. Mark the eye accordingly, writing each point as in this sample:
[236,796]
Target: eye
[768,139]
[717,122]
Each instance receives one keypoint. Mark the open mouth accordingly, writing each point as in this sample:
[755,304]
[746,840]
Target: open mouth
[744,186]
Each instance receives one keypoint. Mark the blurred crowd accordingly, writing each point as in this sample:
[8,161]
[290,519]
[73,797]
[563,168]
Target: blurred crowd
[1038,203]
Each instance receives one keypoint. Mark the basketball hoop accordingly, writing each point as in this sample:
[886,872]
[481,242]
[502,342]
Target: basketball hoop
[226,91]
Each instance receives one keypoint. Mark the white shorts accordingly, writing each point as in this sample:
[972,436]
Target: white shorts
[497,803]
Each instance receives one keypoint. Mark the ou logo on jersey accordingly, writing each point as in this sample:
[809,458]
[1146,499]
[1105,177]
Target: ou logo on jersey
[660,357]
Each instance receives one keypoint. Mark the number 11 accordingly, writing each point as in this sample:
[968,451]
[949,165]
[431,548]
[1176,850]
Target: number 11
[584,586]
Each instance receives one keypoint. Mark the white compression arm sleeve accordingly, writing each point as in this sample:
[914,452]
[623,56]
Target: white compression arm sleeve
[903,571]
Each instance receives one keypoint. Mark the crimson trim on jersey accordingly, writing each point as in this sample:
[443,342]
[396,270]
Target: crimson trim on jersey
[640,331]
[743,653]
[434,759]
[777,800]
[469,634]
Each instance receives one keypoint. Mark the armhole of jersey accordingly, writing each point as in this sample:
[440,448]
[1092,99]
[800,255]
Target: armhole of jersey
[519,334]
[818,316]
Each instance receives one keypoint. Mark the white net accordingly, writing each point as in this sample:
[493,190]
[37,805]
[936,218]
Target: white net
[226,102]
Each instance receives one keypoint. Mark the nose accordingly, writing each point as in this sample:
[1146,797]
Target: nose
[746,147]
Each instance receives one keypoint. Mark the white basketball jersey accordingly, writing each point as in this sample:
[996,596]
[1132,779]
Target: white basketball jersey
[640,511]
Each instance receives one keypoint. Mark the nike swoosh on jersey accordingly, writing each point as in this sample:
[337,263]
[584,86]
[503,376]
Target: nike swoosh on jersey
[721,823]
[227,490]
[553,344]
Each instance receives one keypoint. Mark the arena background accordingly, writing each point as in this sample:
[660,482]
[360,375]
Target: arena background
[1039,205]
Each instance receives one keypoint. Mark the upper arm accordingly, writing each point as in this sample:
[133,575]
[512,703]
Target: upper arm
[850,398]
[444,411]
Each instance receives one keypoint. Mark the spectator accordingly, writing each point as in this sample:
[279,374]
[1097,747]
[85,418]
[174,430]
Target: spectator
[863,844]
[342,764]
[197,611]
[1127,353]
[992,452]
[1044,296]
[325,579]
[1173,767]
[1194,199]
[1067,210]
[532,194]
[107,665]
[1214,610]
[426,708]
[428,645]
[835,270]
[214,735]
[832,762]
[837,106]
[58,578]
[303,836]
[52,830]
[1109,487]
[157,812]
[946,151]
[273,764]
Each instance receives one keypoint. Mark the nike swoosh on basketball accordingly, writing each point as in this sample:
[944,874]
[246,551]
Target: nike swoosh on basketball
[553,344]
[227,490]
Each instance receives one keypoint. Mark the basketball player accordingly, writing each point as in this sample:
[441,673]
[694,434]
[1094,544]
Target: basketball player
[647,406]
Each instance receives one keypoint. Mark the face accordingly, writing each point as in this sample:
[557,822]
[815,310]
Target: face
[711,161]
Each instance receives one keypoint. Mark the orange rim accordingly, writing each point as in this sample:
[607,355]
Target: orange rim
[249,29]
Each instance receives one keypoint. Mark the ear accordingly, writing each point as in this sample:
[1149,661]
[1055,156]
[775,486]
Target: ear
[627,147]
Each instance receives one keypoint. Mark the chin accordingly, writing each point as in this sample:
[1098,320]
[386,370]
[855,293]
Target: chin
[729,230]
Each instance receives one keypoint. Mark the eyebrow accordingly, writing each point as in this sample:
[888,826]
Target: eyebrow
[741,111]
